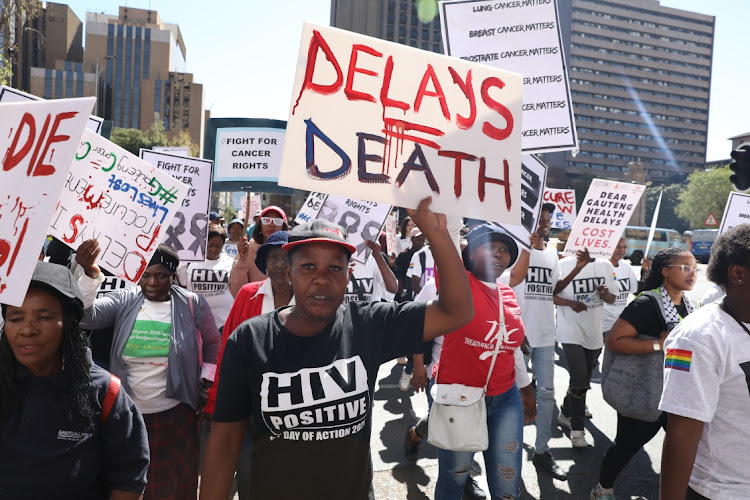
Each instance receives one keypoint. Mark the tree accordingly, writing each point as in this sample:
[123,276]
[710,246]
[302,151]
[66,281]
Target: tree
[668,217]
[706,193]
[133,140]
[130,139]
[14,19]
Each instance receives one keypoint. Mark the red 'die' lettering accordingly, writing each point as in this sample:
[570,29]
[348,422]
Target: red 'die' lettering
[13,157]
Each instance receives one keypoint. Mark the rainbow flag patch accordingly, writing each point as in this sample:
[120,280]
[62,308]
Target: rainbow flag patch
[678,359]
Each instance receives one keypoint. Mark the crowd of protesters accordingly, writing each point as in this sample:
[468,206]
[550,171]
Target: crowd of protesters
[274,342]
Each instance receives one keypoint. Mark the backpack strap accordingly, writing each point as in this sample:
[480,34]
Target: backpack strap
[191,297]
[109,399]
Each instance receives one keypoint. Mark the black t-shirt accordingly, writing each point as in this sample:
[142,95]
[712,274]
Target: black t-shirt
[311,397]
[645,316]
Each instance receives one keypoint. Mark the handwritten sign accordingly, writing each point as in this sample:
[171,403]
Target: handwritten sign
[391,234]
[38,141]
[533,179]
[361,220]
[521,36]
[604,214]
[188,233]
[380,121]
[9,94]
[736,211]
[118,199]
[564,200]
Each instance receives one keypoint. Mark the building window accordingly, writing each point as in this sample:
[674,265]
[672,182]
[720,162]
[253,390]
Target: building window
[157,96]
[58,84]
[68,84]
[48,84]
[79,84]
[147,53]
[118,77]
[137,78]
[127,110]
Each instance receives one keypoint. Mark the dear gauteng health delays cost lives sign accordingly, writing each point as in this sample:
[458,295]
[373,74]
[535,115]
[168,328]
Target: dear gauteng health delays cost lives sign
[382,122]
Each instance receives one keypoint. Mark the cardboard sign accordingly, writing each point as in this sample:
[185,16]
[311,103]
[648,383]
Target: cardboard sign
[391,234]
[524,37]
[118,199]
[564,200]
[736,211]
[38,141]
[173,150]
[379,121]
[533,180]
[248,154]
[603,217]
[188,233]
[361,220]
[9,94]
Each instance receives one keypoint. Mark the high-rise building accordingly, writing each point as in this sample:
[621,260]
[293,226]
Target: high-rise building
[640,77]
[143,79]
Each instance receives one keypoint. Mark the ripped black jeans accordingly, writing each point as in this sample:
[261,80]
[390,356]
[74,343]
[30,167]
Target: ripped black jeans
[581,362]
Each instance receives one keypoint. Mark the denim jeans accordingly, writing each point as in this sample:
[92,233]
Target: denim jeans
[502,458]
[543,363]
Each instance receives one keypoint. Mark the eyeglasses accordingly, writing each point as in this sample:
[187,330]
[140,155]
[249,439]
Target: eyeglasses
[686,269]
[276,221]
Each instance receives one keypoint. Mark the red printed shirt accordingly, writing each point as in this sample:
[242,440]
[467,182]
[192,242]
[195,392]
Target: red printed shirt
[467,352]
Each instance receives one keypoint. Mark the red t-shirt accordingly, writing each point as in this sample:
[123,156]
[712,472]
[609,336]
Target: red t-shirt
[467,352]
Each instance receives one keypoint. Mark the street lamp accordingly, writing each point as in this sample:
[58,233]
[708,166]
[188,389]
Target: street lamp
[96,91]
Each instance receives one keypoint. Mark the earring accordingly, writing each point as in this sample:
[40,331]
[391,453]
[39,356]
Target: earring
[739,281]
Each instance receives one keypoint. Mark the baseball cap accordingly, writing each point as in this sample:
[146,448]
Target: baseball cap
[258,213]
[274,208]
[238,221]
[276,239]
[60,281]
[213,216]
[415,232]
[485,233]
[319,230]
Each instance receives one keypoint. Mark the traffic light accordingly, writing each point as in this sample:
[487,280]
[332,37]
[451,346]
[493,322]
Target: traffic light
[740,165]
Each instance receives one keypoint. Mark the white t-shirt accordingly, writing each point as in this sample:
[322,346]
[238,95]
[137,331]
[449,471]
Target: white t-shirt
[230,248]
[429,292]
[712,295]
[584,328]
[147,355]
[367,283]
[627,283]
[534,295]
[706,373]
[415,266]
[210,279]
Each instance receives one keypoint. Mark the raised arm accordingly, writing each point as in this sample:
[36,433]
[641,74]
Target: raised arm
[582,259]
[243,268]
[454,307]
[521,267]
[391,283]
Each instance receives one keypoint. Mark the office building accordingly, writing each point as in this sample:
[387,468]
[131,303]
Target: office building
[640,76]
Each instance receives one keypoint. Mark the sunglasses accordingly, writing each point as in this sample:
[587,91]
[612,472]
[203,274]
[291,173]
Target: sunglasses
[686,269]
[276,221]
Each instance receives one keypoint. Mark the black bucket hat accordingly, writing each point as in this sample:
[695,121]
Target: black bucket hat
[485,233]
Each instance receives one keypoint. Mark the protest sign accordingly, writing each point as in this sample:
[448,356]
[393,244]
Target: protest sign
[361,220]
[9,94]
[736,211]
[255,205]
[38,141]
[524,37]
[248,154]
[604,214]
[653,224]
[533,179]
[173,150]
[118,199]
[564,200]
[188,232]
[391,234]
[379,121]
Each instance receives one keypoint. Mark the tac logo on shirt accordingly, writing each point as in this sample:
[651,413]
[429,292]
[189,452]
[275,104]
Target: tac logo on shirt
[539,282]
[316,404]
[359,289]
[110,284]
[584,287]
[206,281]
[624,285]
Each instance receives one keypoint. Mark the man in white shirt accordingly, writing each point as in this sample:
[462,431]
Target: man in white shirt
[627,283]
[421,269]
[581,297]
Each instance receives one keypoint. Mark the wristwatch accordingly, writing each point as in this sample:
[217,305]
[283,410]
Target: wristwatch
[657,347]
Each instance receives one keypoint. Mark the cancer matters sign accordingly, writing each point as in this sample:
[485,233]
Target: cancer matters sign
[382,122]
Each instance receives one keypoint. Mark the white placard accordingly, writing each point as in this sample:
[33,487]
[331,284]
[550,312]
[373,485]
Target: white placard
[391,234]
[653,224]
[361,220]
[173,150]
[38,141]
[379,121]
[188,232]
[525,37]
[248,154]
[564,200]
[118,199]
[9,94]
[736,211]
[533,180]
[603,216]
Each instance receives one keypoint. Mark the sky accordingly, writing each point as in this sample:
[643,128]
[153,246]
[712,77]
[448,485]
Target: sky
[245,53]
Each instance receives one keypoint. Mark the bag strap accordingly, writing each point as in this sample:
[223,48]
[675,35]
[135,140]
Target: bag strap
[500,334]
[109,399]
[197,330]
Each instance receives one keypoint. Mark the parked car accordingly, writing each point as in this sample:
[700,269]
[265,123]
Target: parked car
[701,243]
[637,237]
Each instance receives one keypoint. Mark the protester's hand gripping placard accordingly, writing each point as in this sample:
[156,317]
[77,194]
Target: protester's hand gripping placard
[379,121]
[603,216]
[564,200]
[118,199]
[188,232]
[9,94]
[736,211]
[533,179]
[38,141]
[361,220]
[523,37]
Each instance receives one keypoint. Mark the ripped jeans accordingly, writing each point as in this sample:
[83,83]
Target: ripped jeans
[502,459]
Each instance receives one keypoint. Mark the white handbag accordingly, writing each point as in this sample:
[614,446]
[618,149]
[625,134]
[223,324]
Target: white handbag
[458,417]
